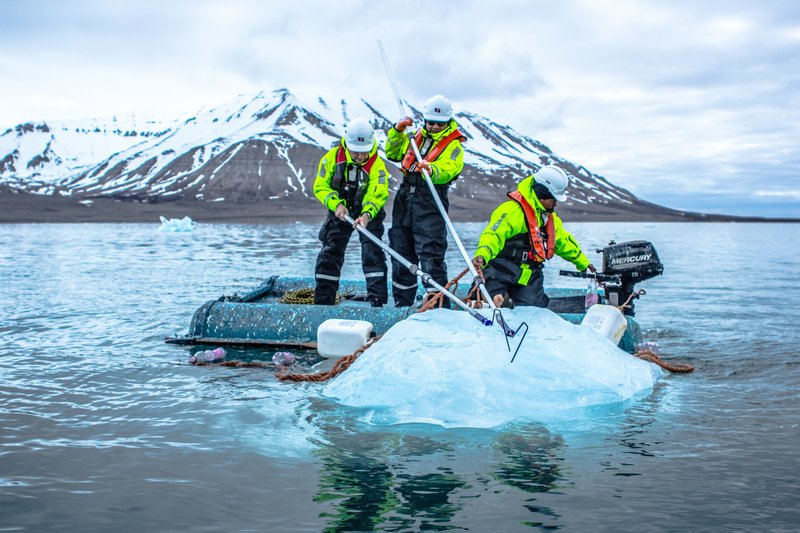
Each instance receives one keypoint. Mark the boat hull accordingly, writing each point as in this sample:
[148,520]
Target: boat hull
[259,318]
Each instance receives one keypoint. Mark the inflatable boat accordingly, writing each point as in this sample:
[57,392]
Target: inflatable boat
[274,314]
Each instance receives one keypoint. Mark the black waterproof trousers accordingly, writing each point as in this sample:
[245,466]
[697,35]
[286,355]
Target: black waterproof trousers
[335,234]
[419,234]
[502,275]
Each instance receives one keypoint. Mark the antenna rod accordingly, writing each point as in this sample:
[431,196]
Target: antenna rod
[391,80]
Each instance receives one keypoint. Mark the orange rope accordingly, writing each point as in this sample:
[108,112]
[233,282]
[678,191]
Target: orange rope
[649,355]
[436,299]
[633,295]
[342,364]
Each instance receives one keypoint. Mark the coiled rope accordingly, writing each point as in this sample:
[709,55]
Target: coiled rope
[300,296]
[305,296]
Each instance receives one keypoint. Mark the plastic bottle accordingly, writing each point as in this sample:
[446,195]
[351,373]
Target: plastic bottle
[591,295]
[208,356]
[649,345]
[283,358]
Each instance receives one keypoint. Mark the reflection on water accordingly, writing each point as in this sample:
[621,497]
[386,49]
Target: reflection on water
[385,479]
[419,477]
[637,425]
[528,461]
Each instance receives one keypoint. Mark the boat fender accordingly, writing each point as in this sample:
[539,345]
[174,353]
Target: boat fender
[606,320]
[337,337]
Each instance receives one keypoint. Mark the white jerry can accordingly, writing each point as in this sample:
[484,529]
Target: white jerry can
[337,337]
[606,320]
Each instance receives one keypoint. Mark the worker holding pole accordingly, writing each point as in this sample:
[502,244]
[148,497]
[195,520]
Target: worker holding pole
[352,178]
[419,232]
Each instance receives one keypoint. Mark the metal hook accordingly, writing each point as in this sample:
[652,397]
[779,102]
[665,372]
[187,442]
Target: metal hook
[508,332]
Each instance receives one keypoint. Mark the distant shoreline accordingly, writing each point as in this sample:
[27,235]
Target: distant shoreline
[19,208]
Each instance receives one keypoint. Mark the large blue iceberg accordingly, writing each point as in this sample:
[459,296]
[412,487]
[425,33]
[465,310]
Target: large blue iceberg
[443,367]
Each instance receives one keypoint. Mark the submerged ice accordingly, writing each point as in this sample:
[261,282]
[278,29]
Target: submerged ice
[444,367]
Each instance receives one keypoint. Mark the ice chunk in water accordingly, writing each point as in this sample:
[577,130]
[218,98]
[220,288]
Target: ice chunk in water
[176,224]
[444,367]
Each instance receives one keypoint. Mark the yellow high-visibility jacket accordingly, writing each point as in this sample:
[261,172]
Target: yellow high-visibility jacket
[508,229]
[374,190]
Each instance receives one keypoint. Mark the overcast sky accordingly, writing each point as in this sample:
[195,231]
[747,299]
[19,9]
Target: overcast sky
[692,104]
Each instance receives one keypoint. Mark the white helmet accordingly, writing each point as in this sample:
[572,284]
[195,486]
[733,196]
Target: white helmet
[555,179]
[438,109]
[359,135]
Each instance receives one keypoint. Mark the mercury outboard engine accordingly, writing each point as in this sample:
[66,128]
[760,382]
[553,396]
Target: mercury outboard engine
[628,263]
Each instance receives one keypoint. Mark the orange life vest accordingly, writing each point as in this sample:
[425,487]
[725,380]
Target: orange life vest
[543,243]
[410,159]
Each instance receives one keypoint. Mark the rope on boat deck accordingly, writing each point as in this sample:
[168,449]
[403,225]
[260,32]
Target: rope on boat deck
[300,296]
[306,296]
[436,299]
[341,364]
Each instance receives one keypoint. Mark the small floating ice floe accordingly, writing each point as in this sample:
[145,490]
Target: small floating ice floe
[176,225]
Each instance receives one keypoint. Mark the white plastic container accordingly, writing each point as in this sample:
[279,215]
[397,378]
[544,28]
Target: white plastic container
[337,337]
[606,320]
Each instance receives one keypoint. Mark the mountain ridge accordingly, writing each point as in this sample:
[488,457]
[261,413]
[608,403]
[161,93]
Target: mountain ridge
[264,147]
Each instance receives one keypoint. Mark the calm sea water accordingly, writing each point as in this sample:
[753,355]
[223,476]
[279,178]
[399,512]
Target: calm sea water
[104,427]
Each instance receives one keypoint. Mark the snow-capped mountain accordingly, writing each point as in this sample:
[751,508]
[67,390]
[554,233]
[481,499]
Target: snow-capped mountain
[256,148]
[37,156]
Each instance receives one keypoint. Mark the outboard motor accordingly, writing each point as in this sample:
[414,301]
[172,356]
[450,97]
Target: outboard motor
[628,263]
